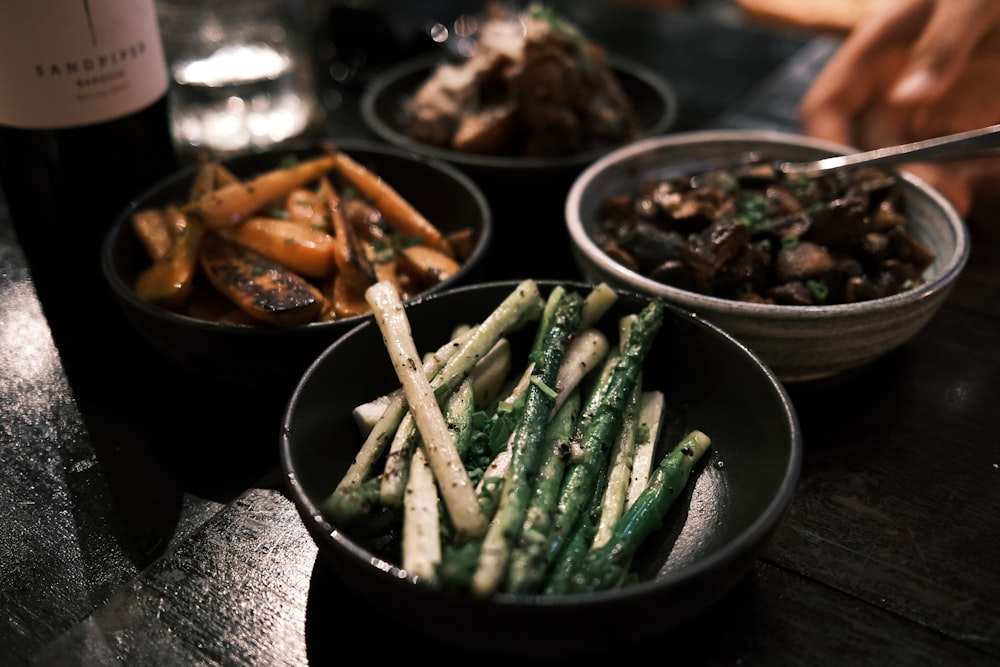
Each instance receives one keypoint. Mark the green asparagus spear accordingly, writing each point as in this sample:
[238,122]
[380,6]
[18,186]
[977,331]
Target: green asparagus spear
[559,575]
[605,566]
[527,445]
[527,559]
[599,431]
[350,505]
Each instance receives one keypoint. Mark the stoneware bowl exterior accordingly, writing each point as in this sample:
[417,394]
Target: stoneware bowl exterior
[800,343]
[708,543]
[275,357]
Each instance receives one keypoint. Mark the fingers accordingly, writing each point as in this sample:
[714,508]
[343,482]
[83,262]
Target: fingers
[861,70]
[955,29]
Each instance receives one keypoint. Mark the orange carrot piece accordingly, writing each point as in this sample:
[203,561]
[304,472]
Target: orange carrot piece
[307,207]
[401,215]
[168,280]
[348,251]
[176,219]
[230,204]
[204,181]
[427,266]
[295,246]
[264,289]
[153,231]
[349,296]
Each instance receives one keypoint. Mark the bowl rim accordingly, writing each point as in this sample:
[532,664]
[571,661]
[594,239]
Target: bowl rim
[584,244]
[381,83]
[745,541]
[118,227]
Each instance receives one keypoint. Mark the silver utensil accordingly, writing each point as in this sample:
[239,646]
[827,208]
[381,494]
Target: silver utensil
[984,142]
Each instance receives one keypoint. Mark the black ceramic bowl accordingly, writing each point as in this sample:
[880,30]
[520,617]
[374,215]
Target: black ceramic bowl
[709,541]
[383,109]
[275,357]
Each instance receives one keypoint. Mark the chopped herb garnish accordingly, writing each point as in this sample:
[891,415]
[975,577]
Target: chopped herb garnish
[818,288]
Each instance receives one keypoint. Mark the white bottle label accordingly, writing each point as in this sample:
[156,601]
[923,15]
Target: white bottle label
[66,63]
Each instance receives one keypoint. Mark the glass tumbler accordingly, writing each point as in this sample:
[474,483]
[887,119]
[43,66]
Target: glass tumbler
[241,73]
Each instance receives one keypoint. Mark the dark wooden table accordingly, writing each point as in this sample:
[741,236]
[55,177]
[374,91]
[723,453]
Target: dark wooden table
[143,515]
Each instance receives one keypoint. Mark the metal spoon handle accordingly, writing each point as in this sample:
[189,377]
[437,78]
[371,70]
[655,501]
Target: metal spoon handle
[984,142]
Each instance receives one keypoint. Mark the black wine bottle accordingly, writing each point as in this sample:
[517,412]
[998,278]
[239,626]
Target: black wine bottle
[83,127]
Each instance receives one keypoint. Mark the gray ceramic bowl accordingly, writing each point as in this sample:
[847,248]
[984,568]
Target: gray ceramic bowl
[705,546]
[800,343]
[275,357]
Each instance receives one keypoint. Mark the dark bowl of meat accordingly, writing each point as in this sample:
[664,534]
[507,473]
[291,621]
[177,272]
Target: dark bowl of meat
[531,107]
[817,274]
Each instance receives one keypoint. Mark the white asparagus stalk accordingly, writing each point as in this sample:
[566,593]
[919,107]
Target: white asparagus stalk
[522,305]
[619,469]
[490,372]
[597,302]
[585,352]
[421,520]
[622,451]
[367,414]
[458,408]
[398,461]
[647,434]
[438,444]
[384,429]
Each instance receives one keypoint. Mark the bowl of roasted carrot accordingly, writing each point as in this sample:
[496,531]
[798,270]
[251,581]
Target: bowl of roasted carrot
[246,269]
[539,467]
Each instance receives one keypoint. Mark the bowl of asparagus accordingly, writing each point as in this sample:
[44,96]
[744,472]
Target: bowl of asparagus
[539,456]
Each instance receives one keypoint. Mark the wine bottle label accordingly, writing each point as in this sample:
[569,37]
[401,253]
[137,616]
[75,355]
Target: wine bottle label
[66,63]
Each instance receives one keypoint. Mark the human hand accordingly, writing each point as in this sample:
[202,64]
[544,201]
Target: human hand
[918,69]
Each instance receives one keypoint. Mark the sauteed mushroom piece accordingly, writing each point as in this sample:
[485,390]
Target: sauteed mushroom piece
[751,233]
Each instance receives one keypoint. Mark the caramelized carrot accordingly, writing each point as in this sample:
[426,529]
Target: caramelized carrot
[230,204]
[264,289]
[176,220]
[401,215]
[462,242]
[205,303]
[204,181]
[168,280]
[307,207]
[295,246]
[153,231]
[223,176]
[427,266]
[388,271]
[349,297]
[349,253]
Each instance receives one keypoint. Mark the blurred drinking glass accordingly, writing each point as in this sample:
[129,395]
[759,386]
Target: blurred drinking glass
[241,73]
